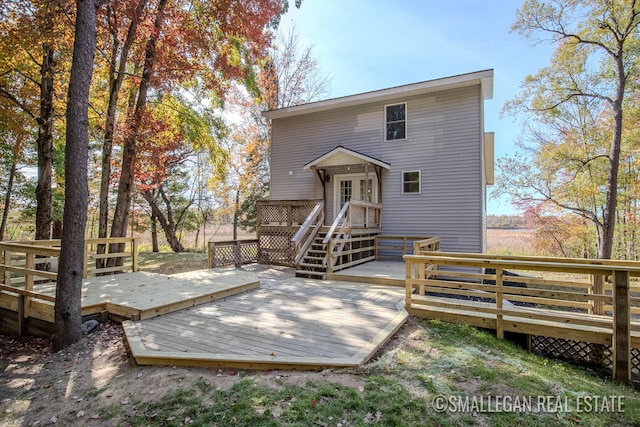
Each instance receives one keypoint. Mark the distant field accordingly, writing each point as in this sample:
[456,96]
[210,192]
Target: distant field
[510,242]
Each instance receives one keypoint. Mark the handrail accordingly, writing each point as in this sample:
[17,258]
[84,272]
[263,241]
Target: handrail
[341,215]
[431,244]
[310,229]
[26,248]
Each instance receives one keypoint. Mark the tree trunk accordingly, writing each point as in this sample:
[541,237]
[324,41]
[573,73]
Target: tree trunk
[7,199]
[125,186]
[154,233]
[166,222]
[611,198]
[117,78]
[45,141]
[68,311]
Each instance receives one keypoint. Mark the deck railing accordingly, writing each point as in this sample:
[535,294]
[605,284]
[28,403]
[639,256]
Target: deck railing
[28,267]
[355,220]
[397,246]
[232,252]
[550,297]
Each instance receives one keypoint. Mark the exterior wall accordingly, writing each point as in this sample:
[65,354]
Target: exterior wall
[444,141]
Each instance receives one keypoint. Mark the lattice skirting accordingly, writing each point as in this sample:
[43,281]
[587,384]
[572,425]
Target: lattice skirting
[243,253]
[581,352]
[275,247]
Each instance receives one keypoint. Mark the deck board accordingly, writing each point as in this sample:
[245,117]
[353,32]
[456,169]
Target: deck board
[149,294]
[390,273]
[287,322]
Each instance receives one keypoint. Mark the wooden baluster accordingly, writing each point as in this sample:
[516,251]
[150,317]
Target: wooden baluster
[499,317]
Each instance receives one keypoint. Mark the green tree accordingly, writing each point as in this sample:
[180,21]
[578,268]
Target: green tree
[574,109]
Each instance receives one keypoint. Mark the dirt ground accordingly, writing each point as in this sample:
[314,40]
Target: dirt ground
[79,385]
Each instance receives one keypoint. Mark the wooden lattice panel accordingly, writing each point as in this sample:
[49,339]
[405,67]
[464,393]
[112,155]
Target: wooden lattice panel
[231,254]
[270,214]
[580,352]
[275,247]
[635,361]
[300,213]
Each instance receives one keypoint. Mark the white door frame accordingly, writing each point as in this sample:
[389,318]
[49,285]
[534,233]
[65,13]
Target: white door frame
[355,177]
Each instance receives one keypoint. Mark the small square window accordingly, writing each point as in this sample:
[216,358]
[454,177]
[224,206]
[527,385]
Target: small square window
[411,182]
[395,122]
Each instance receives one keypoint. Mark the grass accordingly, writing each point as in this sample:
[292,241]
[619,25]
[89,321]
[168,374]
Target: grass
[171,262]
[401,388]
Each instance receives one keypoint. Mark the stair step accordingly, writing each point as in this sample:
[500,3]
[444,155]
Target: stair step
[311,273]
[314,258]
[305,264]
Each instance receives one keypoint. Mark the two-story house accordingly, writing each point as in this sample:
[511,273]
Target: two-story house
[419,151]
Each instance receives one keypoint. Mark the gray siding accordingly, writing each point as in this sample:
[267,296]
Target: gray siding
[444,142]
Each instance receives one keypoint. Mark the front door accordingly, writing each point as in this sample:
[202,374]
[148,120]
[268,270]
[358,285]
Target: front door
[354,186]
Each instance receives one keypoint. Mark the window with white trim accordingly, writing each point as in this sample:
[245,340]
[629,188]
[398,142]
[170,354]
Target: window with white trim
[411,182]
[395,122]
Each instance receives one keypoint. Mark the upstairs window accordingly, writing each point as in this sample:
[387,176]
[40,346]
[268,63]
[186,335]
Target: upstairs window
[395,121]
[411,182]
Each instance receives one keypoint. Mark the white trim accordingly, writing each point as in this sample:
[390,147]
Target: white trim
[483,78]
[356,185]
[359,158]
[406,127]
[419,182]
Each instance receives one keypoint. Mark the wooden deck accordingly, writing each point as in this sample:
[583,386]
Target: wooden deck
[291,323]
[144,295]
[390,273]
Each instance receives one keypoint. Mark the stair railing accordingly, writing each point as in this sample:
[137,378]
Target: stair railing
[308,231]
[354,213]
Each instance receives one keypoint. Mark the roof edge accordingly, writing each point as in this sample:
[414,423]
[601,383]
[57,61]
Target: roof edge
[483,78]
[341,149]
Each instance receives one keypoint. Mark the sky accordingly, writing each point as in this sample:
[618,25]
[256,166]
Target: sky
[367,45]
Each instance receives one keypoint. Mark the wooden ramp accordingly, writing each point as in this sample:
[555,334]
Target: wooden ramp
[288,323]
[144,295]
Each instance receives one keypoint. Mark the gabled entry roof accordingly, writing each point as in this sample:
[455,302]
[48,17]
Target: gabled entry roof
[341,156]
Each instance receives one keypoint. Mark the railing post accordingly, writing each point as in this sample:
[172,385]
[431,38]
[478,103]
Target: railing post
[85,261]
[408,286]
[621,327]
[499,317]
[209,254]
[375,247]
[7,273]
[134,254]
[330,257]
[22,324]
[28,281]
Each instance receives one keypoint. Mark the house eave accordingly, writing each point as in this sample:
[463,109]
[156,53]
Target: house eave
[354,158]
[483,78]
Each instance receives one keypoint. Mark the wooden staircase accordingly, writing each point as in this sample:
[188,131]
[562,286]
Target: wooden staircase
[314,262]
[311,242]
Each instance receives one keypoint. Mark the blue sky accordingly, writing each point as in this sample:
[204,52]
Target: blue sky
[367,45]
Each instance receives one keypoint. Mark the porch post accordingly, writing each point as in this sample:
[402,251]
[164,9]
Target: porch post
[322,175]
[378,170]
[366,183]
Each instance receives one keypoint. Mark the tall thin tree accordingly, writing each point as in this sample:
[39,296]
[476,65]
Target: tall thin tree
[68,315]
